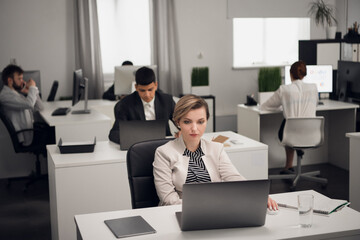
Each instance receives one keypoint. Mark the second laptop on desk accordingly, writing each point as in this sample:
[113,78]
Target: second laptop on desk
[138,131]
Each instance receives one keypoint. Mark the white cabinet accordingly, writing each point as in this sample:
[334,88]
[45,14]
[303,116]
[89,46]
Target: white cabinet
[351,52]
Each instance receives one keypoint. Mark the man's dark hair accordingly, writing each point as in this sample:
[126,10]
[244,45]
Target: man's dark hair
[125,63]
[9,71]
[144,76]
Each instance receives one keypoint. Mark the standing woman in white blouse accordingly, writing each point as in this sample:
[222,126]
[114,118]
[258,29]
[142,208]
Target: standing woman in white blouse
[190,158]
[298,99]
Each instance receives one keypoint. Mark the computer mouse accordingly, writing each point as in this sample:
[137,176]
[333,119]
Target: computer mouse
[272,211]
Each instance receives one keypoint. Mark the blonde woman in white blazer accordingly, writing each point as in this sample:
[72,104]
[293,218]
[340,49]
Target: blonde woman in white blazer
[189,158]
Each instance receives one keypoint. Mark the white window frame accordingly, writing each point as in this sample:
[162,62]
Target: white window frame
[132,43]
[248,36]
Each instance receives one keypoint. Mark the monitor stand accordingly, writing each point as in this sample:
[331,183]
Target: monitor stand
[85,110]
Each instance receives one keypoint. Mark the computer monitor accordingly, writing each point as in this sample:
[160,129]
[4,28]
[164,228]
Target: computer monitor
[321,75]
[80,88]
[348,80]
[124,79]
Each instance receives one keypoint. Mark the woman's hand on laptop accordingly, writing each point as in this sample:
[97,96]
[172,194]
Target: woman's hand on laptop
[272,205]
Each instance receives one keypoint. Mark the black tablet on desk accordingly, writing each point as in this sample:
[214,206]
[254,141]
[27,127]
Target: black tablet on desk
[60,111]
[129,226]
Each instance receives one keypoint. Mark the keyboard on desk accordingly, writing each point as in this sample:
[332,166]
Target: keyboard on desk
[60,111]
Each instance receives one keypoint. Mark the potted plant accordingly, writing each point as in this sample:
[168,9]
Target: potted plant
[324,15]
[269,80]
[200,81]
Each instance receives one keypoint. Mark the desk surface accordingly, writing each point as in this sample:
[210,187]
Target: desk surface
[94,116]
[284,225]
[109,152]
[242,143]
[353,135]
[104,152]
[328,105]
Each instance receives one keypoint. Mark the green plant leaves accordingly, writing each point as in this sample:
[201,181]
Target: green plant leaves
[323,13]
[200,76]
[269,79]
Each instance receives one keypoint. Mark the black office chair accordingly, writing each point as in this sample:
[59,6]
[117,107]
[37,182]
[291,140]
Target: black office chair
[53,91]
[19,148]
[140,158]
[301,134]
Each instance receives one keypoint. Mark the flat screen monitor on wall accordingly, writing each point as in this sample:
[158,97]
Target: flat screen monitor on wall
[80,89]
[348,81]
[124,78]
[321,75]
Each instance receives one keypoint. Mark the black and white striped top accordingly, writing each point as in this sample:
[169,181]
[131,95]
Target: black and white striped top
[197,172]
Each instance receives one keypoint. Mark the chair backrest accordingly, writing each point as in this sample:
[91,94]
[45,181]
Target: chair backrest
[53,91]
[12,132]
[140,157]
[303,132]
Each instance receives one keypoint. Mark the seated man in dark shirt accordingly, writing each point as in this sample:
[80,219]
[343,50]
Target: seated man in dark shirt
[146,103]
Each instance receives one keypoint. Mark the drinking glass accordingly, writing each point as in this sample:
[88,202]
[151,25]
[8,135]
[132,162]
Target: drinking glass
[305,208]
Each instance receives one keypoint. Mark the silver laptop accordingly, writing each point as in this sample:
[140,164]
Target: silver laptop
[137,131]
[223,205]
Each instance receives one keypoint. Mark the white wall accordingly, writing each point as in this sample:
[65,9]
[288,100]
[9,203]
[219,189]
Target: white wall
[204,28]
[353,12]
[39,34]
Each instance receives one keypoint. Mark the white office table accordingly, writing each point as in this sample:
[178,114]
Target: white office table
[85,183]
[98,181]
[70,127]
[250,157]
[344,224]
[79,127]
[354,152]
[263,126]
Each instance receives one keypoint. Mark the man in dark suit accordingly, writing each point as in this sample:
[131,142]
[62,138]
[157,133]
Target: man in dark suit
[146,103]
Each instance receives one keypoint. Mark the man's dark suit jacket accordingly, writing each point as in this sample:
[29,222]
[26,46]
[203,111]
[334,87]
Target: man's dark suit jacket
[131,108]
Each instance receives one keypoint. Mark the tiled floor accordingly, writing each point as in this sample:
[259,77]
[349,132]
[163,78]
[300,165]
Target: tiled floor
[27,215]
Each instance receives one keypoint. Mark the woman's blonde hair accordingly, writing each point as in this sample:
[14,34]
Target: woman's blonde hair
[188,103]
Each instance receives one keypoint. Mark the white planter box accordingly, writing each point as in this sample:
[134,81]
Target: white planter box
[201,90]
[330,32]
[264,96]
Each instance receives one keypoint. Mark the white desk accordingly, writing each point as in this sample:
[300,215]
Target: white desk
[80,127]
[98,181]
[340,118]
[340,225]
[70,127]
[85,183]
[354,190]
[250,157]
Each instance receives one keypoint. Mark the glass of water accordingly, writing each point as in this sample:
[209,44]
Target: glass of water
[305,208]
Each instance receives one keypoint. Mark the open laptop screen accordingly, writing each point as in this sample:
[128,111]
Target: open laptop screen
[138,131]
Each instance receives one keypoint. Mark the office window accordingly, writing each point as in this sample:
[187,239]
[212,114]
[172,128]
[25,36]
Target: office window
[261,42]
[124,27]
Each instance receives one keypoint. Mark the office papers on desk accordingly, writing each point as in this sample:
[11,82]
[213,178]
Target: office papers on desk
[129,226]
[220,139]
[323,205]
